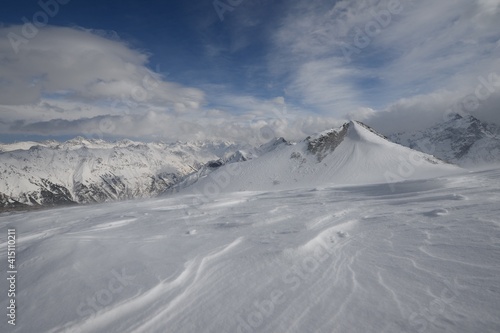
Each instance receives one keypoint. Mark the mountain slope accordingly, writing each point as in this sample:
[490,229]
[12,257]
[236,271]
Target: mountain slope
[238,156]
[352,154]
[465,141]
[85,171]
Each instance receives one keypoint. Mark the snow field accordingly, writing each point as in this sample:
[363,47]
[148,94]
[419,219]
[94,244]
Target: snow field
[423,256]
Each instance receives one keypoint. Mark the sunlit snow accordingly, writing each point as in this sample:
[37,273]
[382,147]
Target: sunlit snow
[417,256]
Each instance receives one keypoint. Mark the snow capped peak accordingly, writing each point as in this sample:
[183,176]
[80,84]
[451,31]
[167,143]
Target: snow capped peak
[454,116]
[326,141]
[79,140]
[459,121]
[271,145]
[324,134]
[351,154]
[359,131]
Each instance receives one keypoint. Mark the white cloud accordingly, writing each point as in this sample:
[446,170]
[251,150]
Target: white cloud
[325,85]
[425,57]
[428,58]
[422,111]
[70,81]
[212,125]
[87,67]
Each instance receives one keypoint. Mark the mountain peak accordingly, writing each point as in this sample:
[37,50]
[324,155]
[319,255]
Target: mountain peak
[326,142]
[78,139]
[351,154]
[361,128]
[460,120]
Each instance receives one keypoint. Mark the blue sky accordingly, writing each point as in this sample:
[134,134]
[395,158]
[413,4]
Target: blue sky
[178,35]
[174,70]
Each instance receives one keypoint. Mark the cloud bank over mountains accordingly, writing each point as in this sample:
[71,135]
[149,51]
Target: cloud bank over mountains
[397,65]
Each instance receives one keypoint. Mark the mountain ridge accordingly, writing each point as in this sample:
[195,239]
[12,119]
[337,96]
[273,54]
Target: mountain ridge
[84,170]
[350,155]
[463,140]
[91,171]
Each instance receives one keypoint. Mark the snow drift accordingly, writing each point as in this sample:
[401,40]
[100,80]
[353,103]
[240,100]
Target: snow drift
[422,258]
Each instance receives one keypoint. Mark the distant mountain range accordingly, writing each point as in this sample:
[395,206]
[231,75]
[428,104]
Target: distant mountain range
[462,140]
[89,171]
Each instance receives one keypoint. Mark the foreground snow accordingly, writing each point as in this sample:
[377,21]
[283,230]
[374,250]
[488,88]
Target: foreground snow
[419,256]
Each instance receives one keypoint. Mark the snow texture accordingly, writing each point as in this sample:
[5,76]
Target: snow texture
[286,242]
[417,256]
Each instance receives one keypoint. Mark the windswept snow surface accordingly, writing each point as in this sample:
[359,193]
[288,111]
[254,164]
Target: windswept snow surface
[417,256]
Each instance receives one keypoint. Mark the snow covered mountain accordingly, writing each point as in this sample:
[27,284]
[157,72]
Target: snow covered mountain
[463,140]
[86,171]
[352,154]
[238,156]
[90,171]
